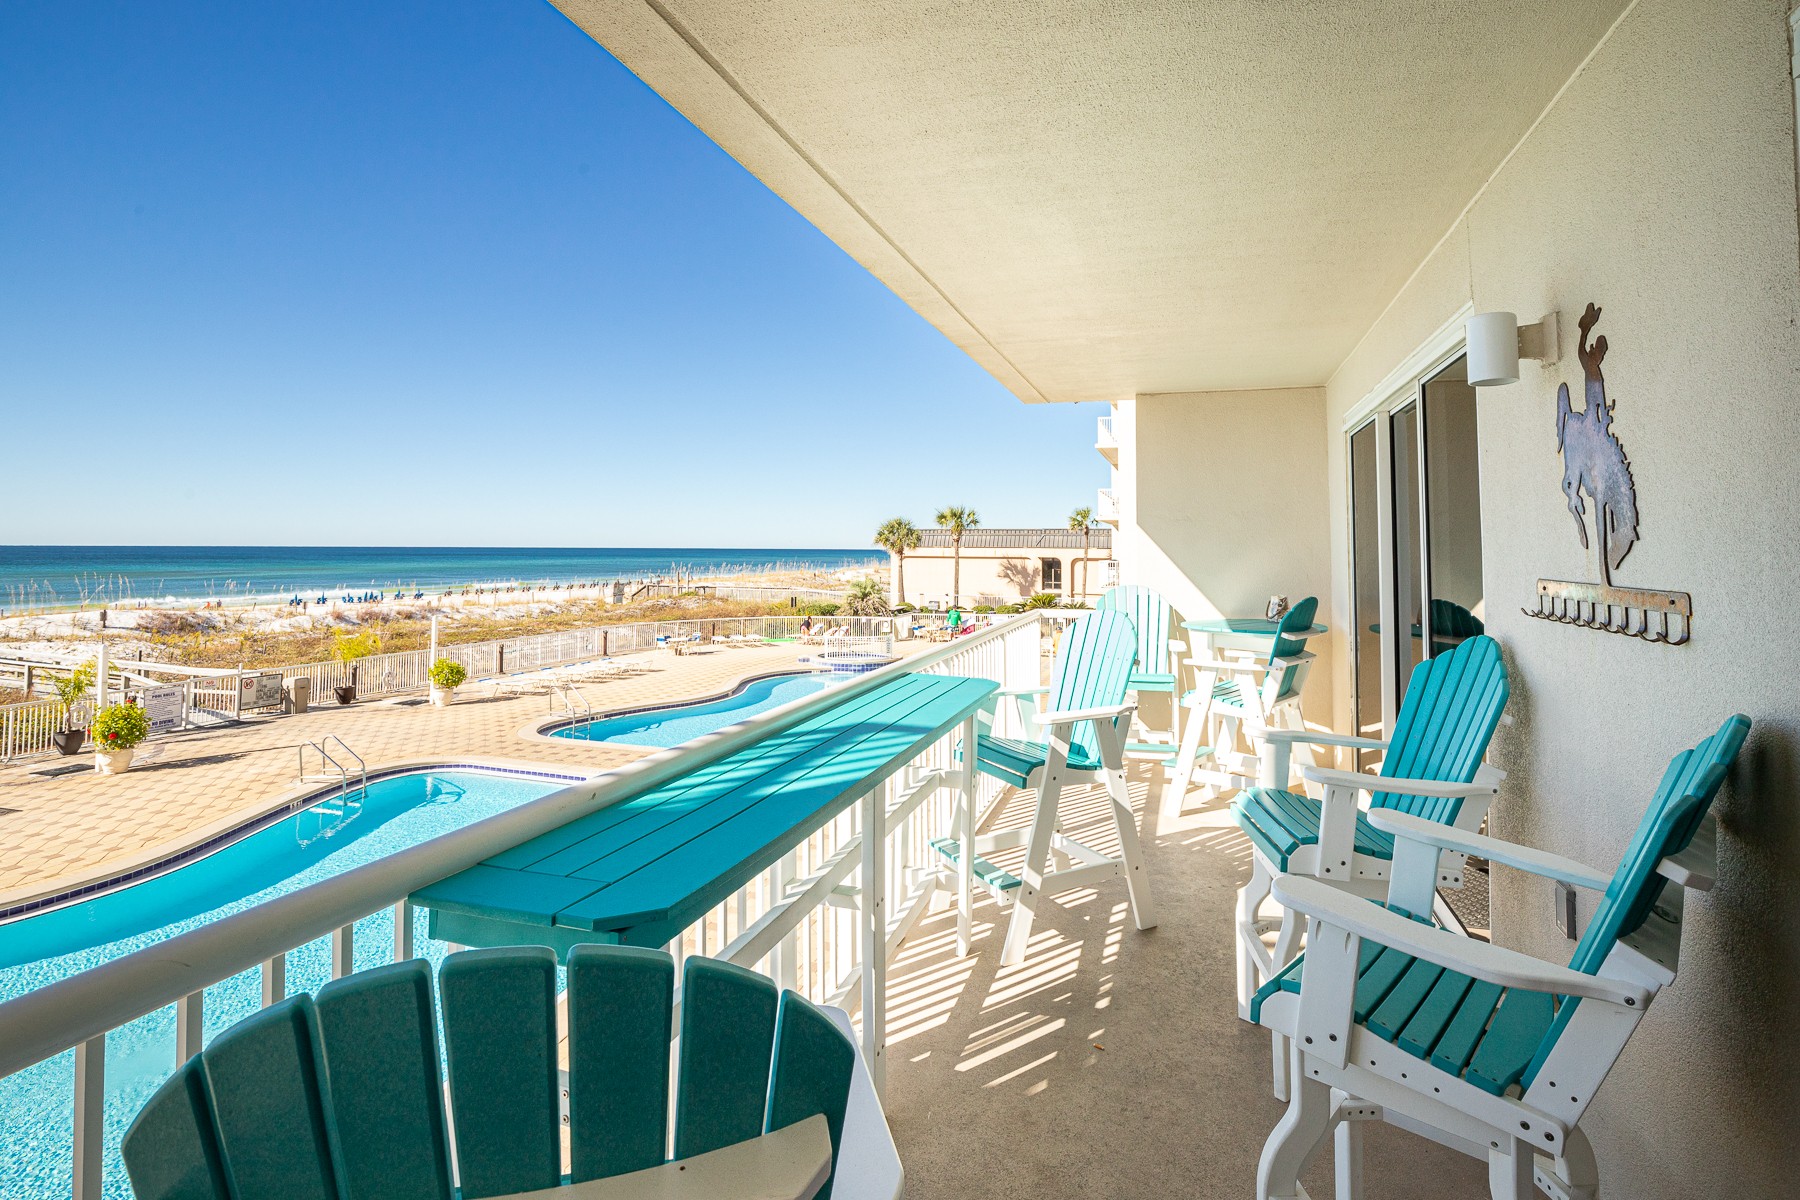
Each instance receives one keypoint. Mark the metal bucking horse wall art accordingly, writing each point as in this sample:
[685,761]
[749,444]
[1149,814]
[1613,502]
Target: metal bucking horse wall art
[1594,462]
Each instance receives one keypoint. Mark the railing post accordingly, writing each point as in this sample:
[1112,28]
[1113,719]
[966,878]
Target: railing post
[190,1026]
[90,1116]
[785,958]
[874,930]
[403,931]
[343,951]
[274,980]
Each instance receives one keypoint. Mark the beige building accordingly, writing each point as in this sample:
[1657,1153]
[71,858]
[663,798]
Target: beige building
[1003,566]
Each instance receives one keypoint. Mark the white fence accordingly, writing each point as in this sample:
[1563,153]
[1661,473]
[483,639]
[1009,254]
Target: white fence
[26,728]
[800,922]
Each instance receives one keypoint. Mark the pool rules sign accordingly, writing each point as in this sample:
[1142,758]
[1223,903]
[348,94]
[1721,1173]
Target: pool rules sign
[165,706]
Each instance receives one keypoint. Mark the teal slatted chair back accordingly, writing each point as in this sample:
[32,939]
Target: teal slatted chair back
[339,1098]
[1150,612]
[1453,703]
[1297,619]
[1668,826]
[1681,803]
[1093,670]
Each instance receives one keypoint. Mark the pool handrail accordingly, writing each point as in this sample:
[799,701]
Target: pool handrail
[74,1011]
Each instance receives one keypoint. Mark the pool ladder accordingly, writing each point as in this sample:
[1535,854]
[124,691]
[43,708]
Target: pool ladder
[573,702]
[331,768]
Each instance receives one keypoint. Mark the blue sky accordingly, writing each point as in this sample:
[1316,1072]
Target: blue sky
[454,276]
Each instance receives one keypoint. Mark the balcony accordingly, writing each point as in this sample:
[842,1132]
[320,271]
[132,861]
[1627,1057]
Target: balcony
[1107,442]
[1106,510]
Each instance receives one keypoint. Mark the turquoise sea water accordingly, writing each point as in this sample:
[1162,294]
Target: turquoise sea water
[49,576]
[309,846]
[673,726]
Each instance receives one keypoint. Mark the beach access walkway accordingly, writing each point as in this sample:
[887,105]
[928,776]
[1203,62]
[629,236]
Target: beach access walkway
[61,828]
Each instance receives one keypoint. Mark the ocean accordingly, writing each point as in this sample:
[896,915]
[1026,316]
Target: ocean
[37,577]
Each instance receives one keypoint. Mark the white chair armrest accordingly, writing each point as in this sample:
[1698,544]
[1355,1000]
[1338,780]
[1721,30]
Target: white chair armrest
[1220,664]
[1480,960]
[1308,737]
[1510,854]
[1400,787]
[1071,716]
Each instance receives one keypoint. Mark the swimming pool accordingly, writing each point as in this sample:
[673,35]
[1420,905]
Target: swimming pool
[678,723]
[304,848]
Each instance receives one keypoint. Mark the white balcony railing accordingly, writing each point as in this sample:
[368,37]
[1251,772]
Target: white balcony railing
[1107,509]
[789,923]
[1107,442]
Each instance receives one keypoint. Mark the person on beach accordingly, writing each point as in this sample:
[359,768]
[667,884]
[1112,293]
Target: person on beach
[954,618]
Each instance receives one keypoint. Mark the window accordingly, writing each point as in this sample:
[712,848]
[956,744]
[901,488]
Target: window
[1051,574]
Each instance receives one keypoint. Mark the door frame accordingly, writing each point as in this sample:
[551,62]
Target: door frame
[1404,385]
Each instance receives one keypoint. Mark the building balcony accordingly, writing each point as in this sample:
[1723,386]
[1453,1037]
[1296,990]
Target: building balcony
[1107,442]
[1106,509]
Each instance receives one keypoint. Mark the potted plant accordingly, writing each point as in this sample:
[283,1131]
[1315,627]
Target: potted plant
[446,675]
[349,648]
[117,730]
[69,691]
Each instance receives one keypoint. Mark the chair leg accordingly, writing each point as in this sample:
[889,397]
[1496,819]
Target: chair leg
[1509,1171]
[1018,930]
[1287,942]
[1181,776]
[1348,1160]
[1577,1170]
[1296,1138]
[1137,878]
[1249,903]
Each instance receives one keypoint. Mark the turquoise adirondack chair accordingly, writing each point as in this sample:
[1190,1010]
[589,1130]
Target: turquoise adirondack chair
[1484,1049]
[1234,699]
[1079,737]
[1432,769]
[339,1097]
[1157,653]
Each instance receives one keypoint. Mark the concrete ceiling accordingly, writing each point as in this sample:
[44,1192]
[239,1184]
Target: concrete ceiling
[1097,200]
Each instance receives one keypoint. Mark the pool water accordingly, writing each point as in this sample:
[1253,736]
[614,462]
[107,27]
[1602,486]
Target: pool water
[302,849]
[683,722]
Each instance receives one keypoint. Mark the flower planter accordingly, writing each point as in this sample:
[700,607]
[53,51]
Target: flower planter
[346,693]
[113,762]
[69,741]
[441,696]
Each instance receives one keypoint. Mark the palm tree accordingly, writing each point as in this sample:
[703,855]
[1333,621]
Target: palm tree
[1083,520]
[897,535]
[958,521]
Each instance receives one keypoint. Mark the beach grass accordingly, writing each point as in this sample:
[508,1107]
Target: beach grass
[222,638]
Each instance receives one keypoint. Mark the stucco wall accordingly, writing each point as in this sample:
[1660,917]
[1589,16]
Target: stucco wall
[1223,503]
[1661,187]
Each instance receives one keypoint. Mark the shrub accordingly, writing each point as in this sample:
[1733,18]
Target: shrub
[448,673]
[982,608]
[350,647]
[120,727]
[817,608]
[72,687]
[1007,609]
[866,598]
[905,608]
[1042,600]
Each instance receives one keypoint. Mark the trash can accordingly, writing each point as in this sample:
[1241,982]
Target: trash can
[299,694]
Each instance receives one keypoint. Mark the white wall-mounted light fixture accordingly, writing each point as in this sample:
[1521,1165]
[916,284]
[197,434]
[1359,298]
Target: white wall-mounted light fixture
[1497,342]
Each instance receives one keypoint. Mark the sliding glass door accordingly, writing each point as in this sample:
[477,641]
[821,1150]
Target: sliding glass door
[1415,514]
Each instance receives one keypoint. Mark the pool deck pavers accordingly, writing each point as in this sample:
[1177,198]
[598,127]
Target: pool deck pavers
[60,831]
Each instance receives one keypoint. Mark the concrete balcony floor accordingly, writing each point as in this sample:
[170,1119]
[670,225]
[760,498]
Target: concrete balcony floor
[1111,1063]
